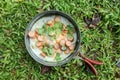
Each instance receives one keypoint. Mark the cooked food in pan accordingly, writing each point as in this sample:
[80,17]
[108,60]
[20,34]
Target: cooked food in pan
[54,37]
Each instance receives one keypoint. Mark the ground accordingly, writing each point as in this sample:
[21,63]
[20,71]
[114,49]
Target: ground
[101,43]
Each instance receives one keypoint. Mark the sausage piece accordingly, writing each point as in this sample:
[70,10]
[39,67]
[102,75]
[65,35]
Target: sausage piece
[62,42]
[68,43]
[57,18]
[50,23]
[38,44]
[43,55]
[67,51]
[40,38]
[31,34]
[60,37]
[56,46]
[71,47]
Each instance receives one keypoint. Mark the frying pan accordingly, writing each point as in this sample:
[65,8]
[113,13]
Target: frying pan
[77,43]
[45,14]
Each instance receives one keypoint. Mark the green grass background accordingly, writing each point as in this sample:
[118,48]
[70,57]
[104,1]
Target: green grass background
[101,43]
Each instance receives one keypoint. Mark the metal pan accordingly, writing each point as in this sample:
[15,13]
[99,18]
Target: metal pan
[45,14]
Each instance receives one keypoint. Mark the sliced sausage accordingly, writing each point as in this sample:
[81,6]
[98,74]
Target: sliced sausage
[62,42]
[43,55]
[40,38]
[61,36]
[38,44]
[68,43]
[71,47]
[56,46]
[50,23]
[47,42]
[31,34]
[57,18]
[67,51]
[58,39]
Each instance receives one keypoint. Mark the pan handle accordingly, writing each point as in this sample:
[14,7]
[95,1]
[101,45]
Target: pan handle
[89,62]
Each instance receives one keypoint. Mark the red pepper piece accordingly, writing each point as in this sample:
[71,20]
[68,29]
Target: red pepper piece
[91,66]
[93,61]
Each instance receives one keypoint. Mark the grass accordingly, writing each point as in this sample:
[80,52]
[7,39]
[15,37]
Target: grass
[101,43]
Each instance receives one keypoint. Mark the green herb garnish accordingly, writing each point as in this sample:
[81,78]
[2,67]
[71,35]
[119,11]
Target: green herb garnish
[48,50]
[70,29]
[58,58]
[51,50]
[69,36]
[58,25]
[40,31]
[45,50]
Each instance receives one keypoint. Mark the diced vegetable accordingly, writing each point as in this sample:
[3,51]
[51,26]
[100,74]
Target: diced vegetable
[52,33]
[45,50]
[58,58]
[69,28]
[51,50]
[63,48]
[58,25]
[48,50]
[40,31]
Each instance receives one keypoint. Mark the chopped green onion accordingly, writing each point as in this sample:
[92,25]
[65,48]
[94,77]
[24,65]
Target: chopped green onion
[58,58]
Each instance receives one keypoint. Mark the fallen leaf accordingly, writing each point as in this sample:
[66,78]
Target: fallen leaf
[87,20]
[117,75]
[95,19]
[118,64]
[45,69]
[113,58]
[87,68]
[92,22]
